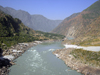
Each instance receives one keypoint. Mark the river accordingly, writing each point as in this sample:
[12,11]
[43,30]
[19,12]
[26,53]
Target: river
[39,60]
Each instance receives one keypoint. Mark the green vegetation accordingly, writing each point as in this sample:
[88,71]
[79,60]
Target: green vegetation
[12,27]
[51,35]
[87,41]
[94,11]
[9,41]
[90,16]
[87,57]
[94,7]
[94,42]
[13,31]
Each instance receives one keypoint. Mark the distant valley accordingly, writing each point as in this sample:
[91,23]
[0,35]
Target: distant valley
[13,31]
[36,22]
[80,30]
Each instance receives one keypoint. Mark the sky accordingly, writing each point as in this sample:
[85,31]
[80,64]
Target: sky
[51,9]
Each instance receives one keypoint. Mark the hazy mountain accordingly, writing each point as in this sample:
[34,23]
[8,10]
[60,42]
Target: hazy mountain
[43,24]
[36,22]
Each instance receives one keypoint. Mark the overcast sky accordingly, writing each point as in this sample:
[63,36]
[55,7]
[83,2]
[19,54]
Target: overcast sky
[51,9]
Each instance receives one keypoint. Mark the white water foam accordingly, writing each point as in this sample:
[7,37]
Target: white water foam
[37,62]
[51,49]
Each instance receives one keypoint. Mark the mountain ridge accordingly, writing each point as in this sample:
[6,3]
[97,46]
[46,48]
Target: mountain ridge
[79,27]
[41,23]
[13,31]
[59,28]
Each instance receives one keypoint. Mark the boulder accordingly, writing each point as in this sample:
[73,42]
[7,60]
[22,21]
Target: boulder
[4,62]
[1,51]
[10,57]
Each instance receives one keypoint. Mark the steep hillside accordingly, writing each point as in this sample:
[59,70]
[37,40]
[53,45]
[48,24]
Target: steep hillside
[83,25]
[36,22]
[13,31]
[11,27]
[92,35]
[60,29]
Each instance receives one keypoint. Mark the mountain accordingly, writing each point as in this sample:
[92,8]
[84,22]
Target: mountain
[43,24]
[11,27]
[60,29]
[83,26]
[36,22]
[13,31]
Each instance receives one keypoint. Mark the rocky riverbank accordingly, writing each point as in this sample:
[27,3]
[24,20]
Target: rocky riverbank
[75,64]
[7,56]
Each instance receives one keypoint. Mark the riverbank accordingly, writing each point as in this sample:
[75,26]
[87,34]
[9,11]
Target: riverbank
[9,55]
[70,61]
[39,60]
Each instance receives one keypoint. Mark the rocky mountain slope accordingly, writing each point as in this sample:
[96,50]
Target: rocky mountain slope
[60,29]
[84,26]
[36,22]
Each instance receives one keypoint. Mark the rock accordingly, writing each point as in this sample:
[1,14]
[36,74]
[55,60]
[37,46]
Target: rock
[12,63]
[10,57]
[57,55]
[12,46]
[11,54]
[88,73]
[4,62]
[14,50]
[78,71]
[38,42]
[1,51]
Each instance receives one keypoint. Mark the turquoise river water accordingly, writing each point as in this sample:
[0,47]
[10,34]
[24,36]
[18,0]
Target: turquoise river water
[39,60]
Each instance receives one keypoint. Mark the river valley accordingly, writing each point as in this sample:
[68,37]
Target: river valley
[39,60]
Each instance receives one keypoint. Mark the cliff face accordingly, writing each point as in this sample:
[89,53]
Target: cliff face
[82,24]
